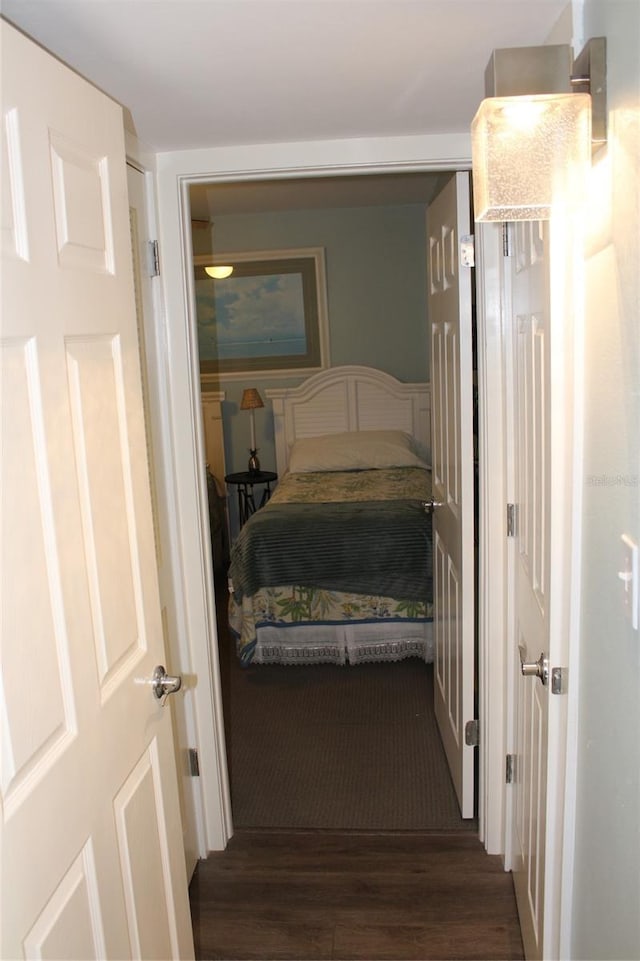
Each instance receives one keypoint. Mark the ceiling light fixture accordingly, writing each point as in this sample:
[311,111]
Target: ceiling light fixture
[219,272]
[533,136]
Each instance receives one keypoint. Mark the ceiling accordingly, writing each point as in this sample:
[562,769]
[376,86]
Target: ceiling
[207,73]
[262,196]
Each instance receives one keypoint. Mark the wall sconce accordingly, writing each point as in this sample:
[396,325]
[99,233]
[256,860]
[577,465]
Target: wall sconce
[532,137]
[219,273]
[251,400]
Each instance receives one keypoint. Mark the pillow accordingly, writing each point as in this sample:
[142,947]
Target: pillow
[354,450]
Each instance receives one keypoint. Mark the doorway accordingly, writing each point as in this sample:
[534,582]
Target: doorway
[237,228]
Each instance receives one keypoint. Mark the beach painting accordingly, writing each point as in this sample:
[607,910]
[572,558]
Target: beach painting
[267,315]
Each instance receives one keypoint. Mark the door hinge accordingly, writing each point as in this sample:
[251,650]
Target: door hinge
[194,763]
[512,520]
[472,733]
[467,251]
[559,680]
[154,259]
[506,240]
[510,769]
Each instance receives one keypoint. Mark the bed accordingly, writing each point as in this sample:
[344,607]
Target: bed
[337,566]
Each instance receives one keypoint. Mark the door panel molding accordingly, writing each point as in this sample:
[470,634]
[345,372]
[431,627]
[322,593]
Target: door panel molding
[71,923]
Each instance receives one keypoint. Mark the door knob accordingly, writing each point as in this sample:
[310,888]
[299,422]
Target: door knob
[539,668]
[430,506]
[163,684]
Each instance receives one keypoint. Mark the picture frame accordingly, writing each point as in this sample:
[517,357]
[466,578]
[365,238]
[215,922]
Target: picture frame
[268,317]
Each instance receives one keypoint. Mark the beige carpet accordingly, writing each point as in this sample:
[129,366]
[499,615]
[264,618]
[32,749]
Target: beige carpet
[337,748]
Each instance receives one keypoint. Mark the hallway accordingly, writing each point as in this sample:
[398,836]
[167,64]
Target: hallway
[322,895]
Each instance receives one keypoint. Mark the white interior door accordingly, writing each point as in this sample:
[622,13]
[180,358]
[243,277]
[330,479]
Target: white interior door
[530,558]
[448,220]
[543,370]
[92,859]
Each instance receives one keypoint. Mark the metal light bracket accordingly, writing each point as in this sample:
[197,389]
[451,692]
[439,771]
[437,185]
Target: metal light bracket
[549,69]
[529,71]
[590,76]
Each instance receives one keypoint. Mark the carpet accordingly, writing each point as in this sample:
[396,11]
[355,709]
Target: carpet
[337,748]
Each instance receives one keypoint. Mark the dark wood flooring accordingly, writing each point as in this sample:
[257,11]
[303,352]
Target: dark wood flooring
[314,896]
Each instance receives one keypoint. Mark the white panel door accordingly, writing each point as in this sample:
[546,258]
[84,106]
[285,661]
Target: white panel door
[531,343]
[448,220]
[92,859]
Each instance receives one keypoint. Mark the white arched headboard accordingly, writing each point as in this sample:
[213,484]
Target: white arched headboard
[346,399]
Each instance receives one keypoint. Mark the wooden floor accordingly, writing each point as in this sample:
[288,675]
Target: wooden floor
[311,896]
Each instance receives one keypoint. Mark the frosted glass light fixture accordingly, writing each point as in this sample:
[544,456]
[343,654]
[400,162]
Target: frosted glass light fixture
[219,272]
[532,137]
[529,154]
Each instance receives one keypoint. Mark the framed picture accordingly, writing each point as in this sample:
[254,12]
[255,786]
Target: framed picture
[269,315]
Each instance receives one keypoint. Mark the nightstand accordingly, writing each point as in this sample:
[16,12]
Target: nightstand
[244,481]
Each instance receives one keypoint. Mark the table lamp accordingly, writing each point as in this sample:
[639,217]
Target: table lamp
[251,400]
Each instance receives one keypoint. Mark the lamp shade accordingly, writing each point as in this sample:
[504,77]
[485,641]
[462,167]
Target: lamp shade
[531,155]
[251,399]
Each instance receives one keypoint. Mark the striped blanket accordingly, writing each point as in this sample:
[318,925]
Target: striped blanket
[369,546]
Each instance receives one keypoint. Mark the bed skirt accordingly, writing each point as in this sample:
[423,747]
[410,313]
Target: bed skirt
[293,625]
[343,643]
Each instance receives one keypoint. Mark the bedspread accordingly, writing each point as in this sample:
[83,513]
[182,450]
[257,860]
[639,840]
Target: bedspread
[354,536]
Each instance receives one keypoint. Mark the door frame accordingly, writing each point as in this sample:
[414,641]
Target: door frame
[493,569]
[176,171]
[150,295]
[190,659]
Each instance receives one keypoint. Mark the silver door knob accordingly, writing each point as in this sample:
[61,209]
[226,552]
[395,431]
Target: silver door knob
[539,668]
[430,506]
[163,684]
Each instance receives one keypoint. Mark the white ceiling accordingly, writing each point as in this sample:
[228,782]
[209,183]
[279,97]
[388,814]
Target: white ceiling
[212,200]
[206,73]
[197,73]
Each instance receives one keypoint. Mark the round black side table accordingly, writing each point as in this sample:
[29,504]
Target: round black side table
[244,481]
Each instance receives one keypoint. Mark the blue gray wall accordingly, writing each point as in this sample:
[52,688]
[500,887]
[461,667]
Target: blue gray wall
[376,289]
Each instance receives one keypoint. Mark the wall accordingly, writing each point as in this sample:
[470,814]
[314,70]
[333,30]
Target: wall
[376,289]
[606,914]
